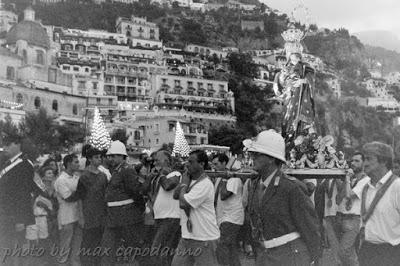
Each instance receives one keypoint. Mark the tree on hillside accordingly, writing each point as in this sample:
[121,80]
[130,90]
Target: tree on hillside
[120,134]
[226,136]
[192,32]
[8,128]
[242,65]
[40,128]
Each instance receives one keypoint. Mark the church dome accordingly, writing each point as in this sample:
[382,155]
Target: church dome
[30,31]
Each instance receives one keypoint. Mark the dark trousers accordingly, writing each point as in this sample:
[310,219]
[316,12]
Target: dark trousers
[294,253]
[379,255]
[91,243]
[349,227]
[194,252]
[166,239]
[227,249]
[125,244]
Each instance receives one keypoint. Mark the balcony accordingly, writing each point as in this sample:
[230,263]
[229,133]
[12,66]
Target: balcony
[121,93]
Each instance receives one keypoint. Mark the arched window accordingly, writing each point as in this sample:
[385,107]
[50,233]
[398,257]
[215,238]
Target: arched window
[55,105]
[25,56]
[20,98]
[75,109]
[10,73]
[39,57]
[37,102]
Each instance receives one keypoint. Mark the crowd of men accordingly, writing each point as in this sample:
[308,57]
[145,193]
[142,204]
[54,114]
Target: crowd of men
[166,212]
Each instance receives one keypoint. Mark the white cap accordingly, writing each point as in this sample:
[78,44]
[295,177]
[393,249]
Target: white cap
[267,142]
[117,147]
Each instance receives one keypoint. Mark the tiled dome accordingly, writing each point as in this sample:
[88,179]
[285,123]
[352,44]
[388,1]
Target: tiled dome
[30,31]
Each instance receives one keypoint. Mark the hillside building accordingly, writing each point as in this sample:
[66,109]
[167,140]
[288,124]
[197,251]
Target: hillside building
[252,25]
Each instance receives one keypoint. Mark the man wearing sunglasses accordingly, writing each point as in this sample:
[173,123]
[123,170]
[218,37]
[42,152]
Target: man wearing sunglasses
[284,224]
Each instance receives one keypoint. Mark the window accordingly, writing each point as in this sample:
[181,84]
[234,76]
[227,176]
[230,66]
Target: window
[157,141]
[75,109]
[39,57]
[20,98]
[10,73]
[94,85]
[81,85]
[75,68]
[157,127]
[37,102]
[66,68]
[55,106]
[52,75]
[137,135]
[171,127]
[98,100]
[25,56]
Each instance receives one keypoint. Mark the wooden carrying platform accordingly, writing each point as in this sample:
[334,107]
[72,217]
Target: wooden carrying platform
[308,173]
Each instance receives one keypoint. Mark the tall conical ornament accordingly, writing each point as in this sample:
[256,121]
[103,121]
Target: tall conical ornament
[99,136]
[181,146]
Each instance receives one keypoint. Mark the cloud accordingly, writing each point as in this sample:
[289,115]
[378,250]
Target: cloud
[355,15]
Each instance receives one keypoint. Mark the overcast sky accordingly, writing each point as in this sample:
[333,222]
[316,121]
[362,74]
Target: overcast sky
[355,15]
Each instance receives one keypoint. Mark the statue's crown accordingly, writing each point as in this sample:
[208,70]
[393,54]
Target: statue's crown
[292,34]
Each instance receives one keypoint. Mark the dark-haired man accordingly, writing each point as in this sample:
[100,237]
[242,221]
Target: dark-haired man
[230,213]
[380,208]
[90,190]
[348,215]
[16,186]
[69,213]
[198,220]
[165,207]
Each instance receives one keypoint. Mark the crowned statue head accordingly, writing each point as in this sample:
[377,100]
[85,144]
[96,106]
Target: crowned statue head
[293,37]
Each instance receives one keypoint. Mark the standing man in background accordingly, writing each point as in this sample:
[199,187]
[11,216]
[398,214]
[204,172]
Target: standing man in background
[69,213]
[230,213]
[348,215]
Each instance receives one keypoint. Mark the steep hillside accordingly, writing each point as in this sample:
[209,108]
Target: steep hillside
[380,38]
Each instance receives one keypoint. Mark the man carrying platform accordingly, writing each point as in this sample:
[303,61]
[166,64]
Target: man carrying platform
[284,223]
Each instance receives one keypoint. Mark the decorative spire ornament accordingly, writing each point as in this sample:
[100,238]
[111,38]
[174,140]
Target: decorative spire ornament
[181,146]
[99,136]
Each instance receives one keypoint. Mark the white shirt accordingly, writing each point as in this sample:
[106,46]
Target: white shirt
[69,212]
[202,213]
[165,206]
[356,203]
[384,224]
[331,211]
[231,210]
